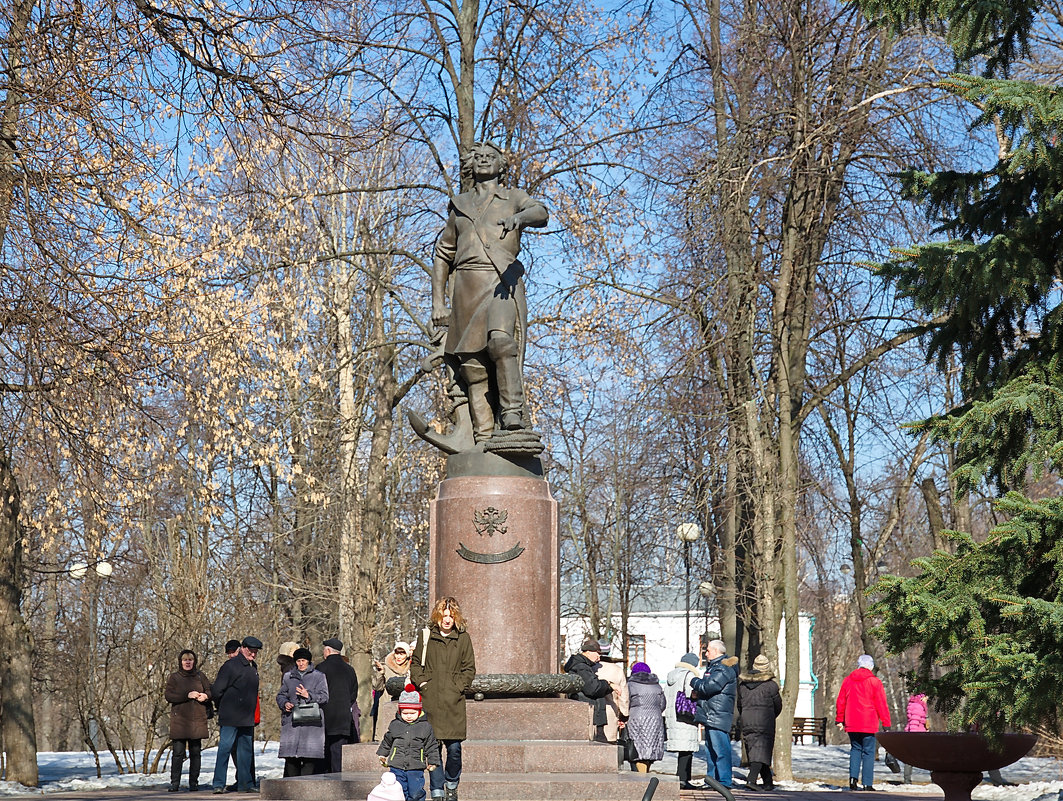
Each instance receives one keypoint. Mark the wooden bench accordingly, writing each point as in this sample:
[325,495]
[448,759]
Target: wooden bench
[809,727]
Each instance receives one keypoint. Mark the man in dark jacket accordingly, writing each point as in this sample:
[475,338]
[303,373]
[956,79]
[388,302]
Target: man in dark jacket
[716,691]
[585,665]
[235,694]
[342,693]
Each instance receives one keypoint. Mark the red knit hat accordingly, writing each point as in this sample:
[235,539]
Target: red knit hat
[409,698]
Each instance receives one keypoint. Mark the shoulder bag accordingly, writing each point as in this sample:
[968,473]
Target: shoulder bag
[685,709]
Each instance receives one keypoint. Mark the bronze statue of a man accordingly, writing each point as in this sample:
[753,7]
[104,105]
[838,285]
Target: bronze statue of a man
[477,269]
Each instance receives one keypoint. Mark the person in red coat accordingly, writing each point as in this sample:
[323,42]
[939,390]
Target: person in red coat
[860,708]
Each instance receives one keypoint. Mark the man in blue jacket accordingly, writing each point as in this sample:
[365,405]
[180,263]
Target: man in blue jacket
[235,693]
[716,691]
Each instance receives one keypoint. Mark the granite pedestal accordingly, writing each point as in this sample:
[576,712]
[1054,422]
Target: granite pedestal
[494,547]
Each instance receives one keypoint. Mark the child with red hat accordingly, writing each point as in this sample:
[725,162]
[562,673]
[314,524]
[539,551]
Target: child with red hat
[409,744]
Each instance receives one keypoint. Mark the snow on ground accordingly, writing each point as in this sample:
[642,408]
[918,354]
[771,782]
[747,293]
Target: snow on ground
[65,771]
[817,768]
[826,768]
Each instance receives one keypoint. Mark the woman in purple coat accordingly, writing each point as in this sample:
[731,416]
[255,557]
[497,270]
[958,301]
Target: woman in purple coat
[645,723]
[302,747]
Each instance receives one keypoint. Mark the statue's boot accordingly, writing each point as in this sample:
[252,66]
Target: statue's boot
[510,393]
[460,437]
[483,415]
[502,349]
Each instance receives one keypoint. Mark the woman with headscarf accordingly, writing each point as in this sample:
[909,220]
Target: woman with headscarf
[759,703]
[645,722]
[442,667]
[188,692]
[302,746]
[395,664]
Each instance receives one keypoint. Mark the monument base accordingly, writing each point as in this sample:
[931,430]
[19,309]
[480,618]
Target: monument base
[518,750]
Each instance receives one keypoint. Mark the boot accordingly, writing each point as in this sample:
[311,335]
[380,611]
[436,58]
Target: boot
[852,784]
[510,393]
[483,416]
[751,776]
[504,353]
[766,778]
[173,788]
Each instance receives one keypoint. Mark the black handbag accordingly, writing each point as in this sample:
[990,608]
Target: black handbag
[307,715]
[628,751]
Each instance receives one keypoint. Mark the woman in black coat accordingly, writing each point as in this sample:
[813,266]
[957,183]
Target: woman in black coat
[759,703]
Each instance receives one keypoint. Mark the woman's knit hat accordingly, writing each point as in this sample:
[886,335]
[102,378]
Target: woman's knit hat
[761,664]
[410,698]
[389,789]
[688,659]
[640,667]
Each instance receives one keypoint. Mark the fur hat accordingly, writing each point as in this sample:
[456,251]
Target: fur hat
[761,664]
[303,653]
[288,648]
[409,698]
[389,789]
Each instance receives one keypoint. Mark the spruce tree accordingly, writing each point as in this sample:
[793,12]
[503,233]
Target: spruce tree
[988,619]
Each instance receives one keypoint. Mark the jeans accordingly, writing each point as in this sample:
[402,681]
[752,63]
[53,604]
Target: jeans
[719,745]
[862,749]
[178,760]
[411,782]
[447,772]
[242,737]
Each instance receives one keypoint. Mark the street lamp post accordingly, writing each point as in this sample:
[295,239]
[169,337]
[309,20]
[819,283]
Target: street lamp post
[687,533]
[706,590]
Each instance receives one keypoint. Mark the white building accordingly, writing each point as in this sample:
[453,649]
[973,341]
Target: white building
[656,637]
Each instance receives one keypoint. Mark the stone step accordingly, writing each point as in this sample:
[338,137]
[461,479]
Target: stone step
[510,756]
[350,786]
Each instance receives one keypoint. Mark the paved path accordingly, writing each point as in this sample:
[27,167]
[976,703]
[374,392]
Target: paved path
[160,794]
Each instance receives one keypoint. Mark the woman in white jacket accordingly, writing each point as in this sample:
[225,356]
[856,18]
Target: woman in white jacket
[683,736]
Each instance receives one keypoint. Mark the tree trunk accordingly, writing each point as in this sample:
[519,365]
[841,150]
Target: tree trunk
[16,646]
[934,513]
